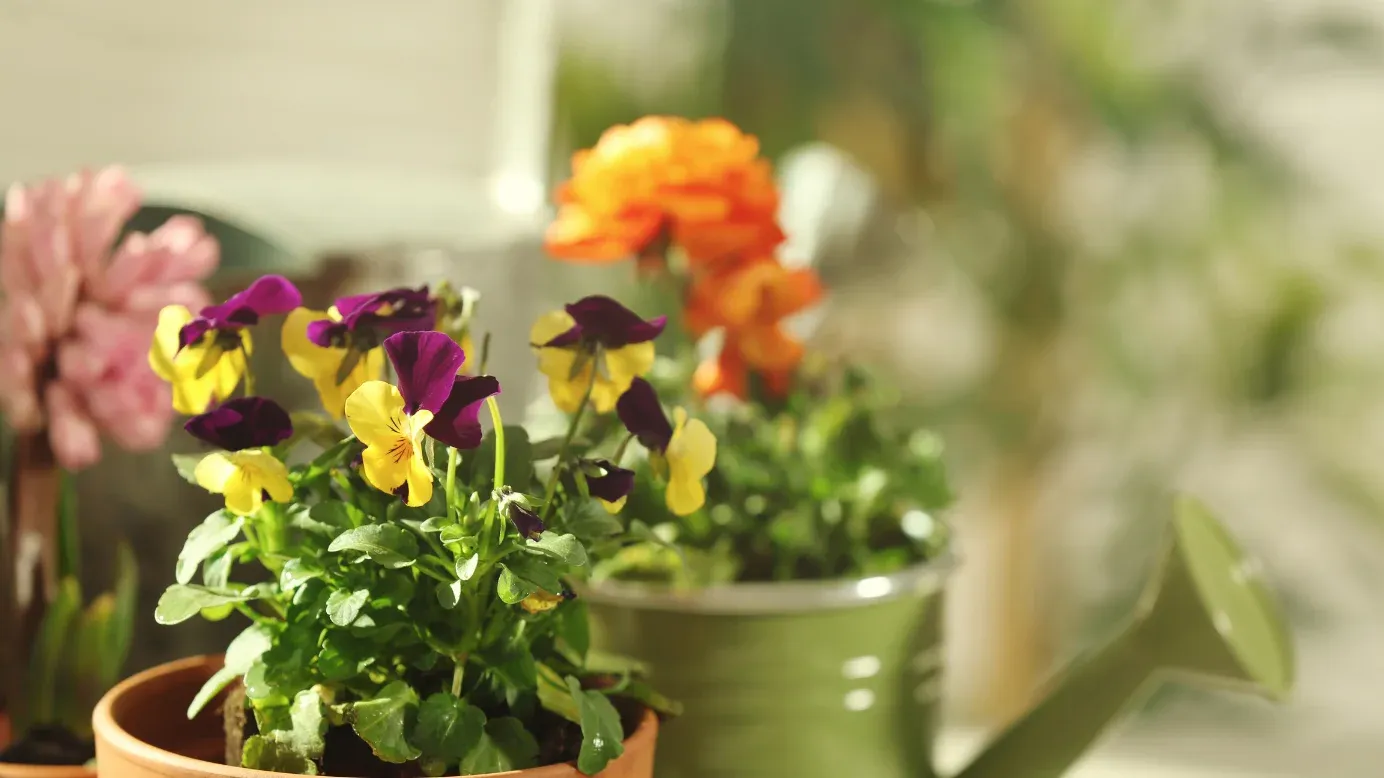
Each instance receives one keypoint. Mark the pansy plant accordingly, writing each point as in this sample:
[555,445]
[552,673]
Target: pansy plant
[414,587]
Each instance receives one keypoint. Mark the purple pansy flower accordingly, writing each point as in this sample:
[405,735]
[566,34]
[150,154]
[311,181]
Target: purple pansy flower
[427,365]
[642,415]
[367,319]
[267,296]
[245,422]
[525,521]
[599,320]
[612,484]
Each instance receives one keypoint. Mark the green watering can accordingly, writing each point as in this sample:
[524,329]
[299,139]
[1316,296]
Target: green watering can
[841,680]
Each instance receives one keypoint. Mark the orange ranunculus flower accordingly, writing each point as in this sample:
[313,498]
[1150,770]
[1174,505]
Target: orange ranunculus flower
[757,293]
[729,371]
[701,185]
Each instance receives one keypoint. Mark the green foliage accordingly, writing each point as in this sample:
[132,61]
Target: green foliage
[438,634]
[827,483]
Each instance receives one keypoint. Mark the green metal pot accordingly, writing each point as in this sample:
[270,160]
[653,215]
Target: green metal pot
[794,679]
[841,679]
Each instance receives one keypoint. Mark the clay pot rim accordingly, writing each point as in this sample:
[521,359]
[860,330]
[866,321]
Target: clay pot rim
[169,763]
[777,597]
[20,770]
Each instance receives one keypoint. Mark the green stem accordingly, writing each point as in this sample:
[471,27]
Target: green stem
[556,474]
[620,452]
[249,376]
[452,482]
[500,440]
[458,672]
[434,574]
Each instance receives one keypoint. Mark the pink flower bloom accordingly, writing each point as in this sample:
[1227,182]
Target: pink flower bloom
[77,312]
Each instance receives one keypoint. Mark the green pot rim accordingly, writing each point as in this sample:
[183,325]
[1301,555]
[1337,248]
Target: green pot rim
[778,597]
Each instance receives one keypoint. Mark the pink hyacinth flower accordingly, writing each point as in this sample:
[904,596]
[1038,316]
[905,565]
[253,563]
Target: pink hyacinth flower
[77,312]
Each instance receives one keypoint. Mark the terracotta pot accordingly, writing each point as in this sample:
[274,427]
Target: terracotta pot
[142,731]
[8,770]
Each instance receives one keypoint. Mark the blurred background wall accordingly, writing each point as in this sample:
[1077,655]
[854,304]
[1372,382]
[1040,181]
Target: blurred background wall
[1109,247]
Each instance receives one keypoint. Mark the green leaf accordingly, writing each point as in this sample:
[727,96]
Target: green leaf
[240,655]
[343,607]
[309,725]
[521,576]
[48,651]
[602,736]
[638,689]
[448,594]
[565,548]
[593,523]
[554,695]
[206,539]
[505,746]
[381,722]
[262,753]
[186,465]
[448,728]
[436,523]
[467,567]
[120,631]
[216,571]
[298,571]
[573,628]
[386,544]
[181,602]
[313,426]
[518,459]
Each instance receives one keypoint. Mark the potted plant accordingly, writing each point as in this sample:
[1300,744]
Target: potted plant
[404,574]
[79,304]
[794,606]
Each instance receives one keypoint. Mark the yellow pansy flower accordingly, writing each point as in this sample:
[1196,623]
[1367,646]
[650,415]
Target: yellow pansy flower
[322,365]
[244,477]
[594,343]
[206,371]
[686,446]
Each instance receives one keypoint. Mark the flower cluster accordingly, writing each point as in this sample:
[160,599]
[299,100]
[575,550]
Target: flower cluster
[420,564]
[701,188]
[79,308]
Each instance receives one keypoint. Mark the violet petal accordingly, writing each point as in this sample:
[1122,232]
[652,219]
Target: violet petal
[457,423]
[245,422]
[642,415]
[611,324]
[525,521]
[267,296]
[327,333]
[426,363]
[614,485]
[192,332]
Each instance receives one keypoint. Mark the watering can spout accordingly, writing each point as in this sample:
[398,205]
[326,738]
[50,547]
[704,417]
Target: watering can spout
[1206,615]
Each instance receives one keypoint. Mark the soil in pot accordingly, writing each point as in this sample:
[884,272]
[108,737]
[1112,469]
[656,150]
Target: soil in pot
[50,745]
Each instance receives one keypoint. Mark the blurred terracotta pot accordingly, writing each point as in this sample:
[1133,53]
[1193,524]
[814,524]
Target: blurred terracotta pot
[8,770]
[142,732]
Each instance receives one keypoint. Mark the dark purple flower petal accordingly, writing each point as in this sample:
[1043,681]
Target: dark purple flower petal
[426,363]
[457,423]
[327,333]
[192,332]
[642,415]
[389,312]
[525,520]
[614,485]
[267,296]
[602,320]
[245,422]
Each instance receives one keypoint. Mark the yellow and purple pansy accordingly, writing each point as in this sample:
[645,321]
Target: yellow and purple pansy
[685,446]
[339,349]
[595,346]
[204,357]
[244,471]
[431,399]
[608,482]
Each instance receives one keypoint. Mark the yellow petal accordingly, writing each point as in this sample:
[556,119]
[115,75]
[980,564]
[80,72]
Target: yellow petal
[213,472]
[549,326]
[375,412]
[164,348]
[540,602]
[685,496]
[420,483]
[692,450]
[307,358]
[625,364]
[383,468]
[273,478]
[333,395]
[605,394]
[567,392]
[613,507]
